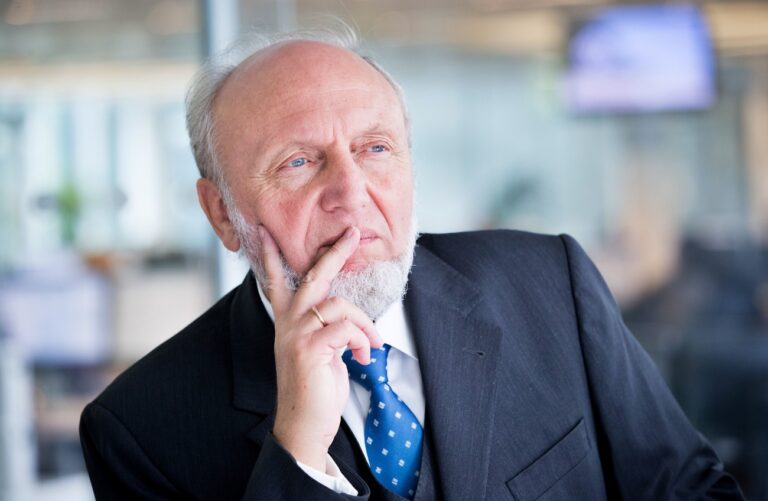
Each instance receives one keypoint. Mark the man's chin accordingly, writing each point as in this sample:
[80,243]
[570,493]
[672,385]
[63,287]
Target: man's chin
[372,287]
[368,279]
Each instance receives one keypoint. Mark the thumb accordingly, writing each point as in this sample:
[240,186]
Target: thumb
[276,289]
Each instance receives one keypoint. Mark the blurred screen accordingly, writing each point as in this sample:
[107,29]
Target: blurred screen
[641,58]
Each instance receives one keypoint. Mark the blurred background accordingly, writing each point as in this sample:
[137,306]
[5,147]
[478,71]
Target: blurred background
[640,129]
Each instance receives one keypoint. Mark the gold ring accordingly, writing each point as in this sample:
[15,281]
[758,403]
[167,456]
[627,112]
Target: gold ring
[319,316]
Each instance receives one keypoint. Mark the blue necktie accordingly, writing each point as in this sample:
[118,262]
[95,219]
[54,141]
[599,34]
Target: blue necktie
[393,435]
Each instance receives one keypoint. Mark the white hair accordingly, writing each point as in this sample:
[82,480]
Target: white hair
[214,72]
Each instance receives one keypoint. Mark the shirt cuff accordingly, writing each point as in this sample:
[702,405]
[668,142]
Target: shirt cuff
[331,478]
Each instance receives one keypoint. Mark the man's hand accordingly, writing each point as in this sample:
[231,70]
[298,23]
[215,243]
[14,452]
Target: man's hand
[312,381]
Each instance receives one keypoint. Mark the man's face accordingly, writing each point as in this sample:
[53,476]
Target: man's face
[312,139]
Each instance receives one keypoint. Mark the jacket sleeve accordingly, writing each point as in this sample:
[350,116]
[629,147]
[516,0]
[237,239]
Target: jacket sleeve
[278,476]
[648,447]
[120,469]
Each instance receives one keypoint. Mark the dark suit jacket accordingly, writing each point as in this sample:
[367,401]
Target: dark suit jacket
[534,390]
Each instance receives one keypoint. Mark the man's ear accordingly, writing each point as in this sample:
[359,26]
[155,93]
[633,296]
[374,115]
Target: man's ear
[210,199]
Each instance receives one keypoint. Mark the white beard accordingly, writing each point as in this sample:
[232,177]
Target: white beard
[372,288]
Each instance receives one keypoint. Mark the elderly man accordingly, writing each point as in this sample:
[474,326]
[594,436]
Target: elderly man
[504,372]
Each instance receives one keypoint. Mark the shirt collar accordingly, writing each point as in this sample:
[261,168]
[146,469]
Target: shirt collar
[391,325]
[266,303]
[394,329]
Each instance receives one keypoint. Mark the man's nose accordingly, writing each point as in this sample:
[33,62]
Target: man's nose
[345,184]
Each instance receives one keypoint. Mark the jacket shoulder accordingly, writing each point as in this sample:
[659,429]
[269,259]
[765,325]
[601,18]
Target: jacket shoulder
[477,253]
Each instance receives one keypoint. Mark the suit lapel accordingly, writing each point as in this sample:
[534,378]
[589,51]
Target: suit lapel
[254,382]
[458,354]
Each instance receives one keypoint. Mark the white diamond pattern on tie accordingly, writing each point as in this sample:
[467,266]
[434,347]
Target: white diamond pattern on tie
[393,433]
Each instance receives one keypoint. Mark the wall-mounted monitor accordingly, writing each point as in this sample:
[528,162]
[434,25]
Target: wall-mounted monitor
[641,58]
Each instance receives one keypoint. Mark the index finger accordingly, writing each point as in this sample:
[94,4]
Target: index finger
[317,281]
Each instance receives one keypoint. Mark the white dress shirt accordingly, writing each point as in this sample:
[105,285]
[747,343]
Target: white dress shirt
[404,378]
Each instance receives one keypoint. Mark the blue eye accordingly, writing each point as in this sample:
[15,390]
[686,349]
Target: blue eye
[298,162]
[377,148]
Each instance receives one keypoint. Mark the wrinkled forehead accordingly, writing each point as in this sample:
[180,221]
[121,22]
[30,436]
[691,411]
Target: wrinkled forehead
[288,71]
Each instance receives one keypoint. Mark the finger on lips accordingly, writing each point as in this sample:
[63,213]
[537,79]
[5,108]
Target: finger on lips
[334,321]
[317,281]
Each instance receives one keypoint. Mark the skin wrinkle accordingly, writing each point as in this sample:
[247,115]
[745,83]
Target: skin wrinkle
[290,100]
[296,147]
[270,172]
[267,113]
[282,95]
[272,158]
[274,181]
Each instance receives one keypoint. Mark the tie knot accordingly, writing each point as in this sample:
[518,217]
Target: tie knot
[372,374]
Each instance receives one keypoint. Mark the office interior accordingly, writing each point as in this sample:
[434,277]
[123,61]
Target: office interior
[641,129]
